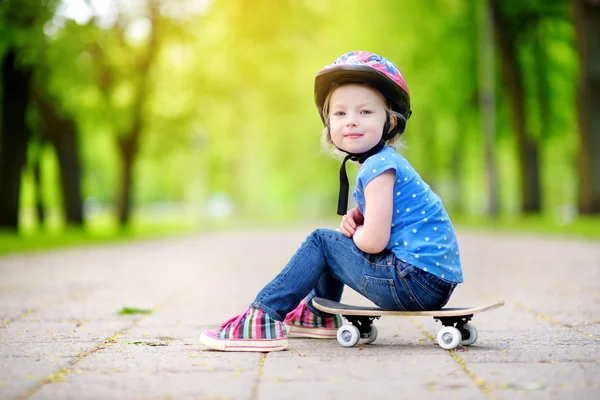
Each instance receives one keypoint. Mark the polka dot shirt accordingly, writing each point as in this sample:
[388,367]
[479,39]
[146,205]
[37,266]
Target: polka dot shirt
[422,234]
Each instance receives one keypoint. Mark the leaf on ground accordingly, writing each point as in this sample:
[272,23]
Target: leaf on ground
[138,343]
[527,386]
[134,311]
[166,338]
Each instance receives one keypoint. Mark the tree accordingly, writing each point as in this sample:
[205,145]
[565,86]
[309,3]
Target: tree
[129,142]
[21,31]
[487,95]
[129,133]
[60,130]
[507,31]
[15,135]
[587,27]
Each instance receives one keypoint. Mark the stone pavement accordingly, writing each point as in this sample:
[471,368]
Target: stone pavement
[61,335]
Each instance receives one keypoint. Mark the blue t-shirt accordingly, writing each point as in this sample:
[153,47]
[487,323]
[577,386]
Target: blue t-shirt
[421,234]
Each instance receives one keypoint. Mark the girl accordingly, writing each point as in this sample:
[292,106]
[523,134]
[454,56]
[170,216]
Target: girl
[397,248]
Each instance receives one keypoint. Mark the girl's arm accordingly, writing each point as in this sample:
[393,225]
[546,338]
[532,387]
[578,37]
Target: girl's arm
[350,221]
[373,236]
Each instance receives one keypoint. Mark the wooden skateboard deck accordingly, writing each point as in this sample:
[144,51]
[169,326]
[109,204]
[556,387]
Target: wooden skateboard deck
[333,307]
[456,330]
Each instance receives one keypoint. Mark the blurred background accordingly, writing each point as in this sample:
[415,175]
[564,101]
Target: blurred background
[123,118]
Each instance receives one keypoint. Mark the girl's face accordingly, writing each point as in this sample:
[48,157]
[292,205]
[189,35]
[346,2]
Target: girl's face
[356,117]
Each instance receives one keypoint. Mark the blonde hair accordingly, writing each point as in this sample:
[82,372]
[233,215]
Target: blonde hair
[326,142]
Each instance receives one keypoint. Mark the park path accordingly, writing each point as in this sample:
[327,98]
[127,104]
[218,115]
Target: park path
[61,335]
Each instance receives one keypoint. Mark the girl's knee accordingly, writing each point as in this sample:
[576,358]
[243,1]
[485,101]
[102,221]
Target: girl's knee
[321,234]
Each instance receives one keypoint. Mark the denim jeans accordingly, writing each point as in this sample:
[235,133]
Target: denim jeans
[327,260]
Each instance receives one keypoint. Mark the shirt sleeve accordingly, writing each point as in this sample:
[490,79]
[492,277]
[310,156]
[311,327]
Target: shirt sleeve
[373,168]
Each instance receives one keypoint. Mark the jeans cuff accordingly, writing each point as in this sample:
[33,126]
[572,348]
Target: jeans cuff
[267,310]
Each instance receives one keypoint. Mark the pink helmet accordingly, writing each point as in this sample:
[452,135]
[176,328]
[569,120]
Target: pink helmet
[370,68]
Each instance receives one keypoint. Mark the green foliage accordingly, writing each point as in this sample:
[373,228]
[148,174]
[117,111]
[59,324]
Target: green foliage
[229,106]
[21,28]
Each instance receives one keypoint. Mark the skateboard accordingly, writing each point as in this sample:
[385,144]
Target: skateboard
[456,328]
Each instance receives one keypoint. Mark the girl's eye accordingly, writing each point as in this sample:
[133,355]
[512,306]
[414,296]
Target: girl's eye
[338,113]
[366,112]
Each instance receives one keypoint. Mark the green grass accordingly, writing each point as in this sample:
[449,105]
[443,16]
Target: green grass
[99,231]
[104,230]
[582,227]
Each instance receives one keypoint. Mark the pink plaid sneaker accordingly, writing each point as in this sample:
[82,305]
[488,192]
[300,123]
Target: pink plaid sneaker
[253,330]
[302,323]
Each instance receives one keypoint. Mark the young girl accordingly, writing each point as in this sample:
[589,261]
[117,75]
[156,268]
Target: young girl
[397,248]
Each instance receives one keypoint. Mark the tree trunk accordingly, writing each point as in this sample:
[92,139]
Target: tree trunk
[526,146]
[61,131]
[128,149]
[458,201]
[14,137]
[129,143]
[37,178]
[587,27]
[487,101]
[67,150]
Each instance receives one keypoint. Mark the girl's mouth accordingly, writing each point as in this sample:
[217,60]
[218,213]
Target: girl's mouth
[353,135]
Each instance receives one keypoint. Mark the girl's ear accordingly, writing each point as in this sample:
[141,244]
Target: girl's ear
[393,122]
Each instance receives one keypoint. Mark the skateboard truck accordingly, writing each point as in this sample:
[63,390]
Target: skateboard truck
[364,324]
[447,338]
[452,321]
[362,328]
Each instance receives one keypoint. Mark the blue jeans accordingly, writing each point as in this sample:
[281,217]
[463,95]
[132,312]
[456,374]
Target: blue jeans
[327,260]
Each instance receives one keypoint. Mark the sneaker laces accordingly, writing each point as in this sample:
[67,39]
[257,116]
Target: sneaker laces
[235,321]
[296,313]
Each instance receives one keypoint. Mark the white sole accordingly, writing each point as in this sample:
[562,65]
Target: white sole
[264,345]
[294,331]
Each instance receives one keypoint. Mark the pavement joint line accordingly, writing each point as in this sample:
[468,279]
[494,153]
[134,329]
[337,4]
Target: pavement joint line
[556,322]
[259,374]
[62,373]
[22,316]
[479,382]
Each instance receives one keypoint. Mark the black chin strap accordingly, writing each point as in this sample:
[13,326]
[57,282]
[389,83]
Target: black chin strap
[344,185]
[386,135]
[361,158]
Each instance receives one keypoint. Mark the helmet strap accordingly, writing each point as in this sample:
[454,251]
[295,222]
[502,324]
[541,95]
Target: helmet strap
[361,158]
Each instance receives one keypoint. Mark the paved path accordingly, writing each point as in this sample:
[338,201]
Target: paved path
[62,337]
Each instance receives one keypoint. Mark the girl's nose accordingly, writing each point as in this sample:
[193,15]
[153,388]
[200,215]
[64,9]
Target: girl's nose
[351,121]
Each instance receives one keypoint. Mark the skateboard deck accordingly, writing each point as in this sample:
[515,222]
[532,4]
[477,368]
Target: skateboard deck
[333,307]
[456,327]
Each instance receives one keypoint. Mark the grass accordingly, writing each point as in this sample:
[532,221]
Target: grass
[17,243]
[104,230]
[101,230]
[582,227]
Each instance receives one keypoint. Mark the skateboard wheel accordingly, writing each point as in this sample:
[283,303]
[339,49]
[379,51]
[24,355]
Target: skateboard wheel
[471,336]
[348,335]
[449,337]
[372,335]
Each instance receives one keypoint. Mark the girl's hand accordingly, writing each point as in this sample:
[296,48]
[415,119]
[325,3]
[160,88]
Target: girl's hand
[351,221]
